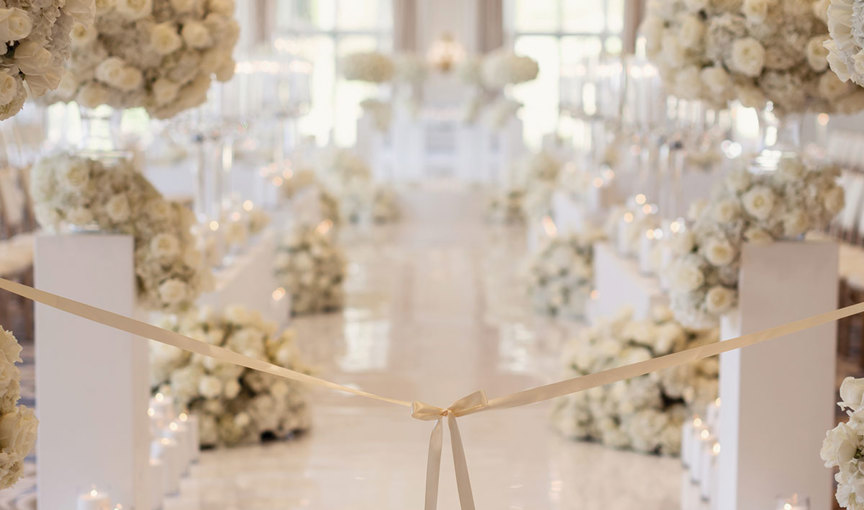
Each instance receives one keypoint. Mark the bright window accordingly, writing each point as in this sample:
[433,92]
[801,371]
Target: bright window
[325,31]
[558,34]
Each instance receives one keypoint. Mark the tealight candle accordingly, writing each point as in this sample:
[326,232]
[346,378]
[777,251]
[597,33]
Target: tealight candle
[94,500]
[793,502]
[708,478]
[693,448]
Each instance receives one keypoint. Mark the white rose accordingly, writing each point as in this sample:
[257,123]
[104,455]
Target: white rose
[673,52]
[213,59]
[750,96]
[79,216]
[232,389]
[832,88]
[110,70]
[840,446]
[719,299]
[791,169]
[837,62]
[104,6]
[165,91]
[130,79]
[718,252]
[118,208]
[196,35]
[686,277]
[134,9]
[18,433]
[748,57]
[183,5]
[15,24]
[164,38]
[80,10]
[82,35]
[76,175]
[834,200]
[172,291]
[691,32]
[717,81]
[852,393]
[237,315]
[92,95]
[682,243]
[242,420]
[210,387]
[224,7]
[164,246]
[817,53]
[688,83]
[757,235]
[795,223]
[756,10]
[8,87]
[759,202]
[725,211]
[738,180]
[37,63]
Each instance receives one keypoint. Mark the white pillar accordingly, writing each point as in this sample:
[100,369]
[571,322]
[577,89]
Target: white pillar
[778,397]
[91,380]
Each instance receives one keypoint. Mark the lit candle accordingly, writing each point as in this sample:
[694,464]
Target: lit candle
[698,457]
[713,414]
[793,502]
[708,478]
[94,500]
[194,438]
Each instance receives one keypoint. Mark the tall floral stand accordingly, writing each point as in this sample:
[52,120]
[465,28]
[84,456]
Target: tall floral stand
[91,380]
[778,397]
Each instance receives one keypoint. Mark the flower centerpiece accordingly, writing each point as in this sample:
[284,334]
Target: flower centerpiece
[312,270]
[645,413]
[504,67]
[846,26]
[234,405]
[37,37]
[754,208]
[754,51]
[75,192]
[368,66]
[18,424]
[540,173]
[157,54]
[561,275]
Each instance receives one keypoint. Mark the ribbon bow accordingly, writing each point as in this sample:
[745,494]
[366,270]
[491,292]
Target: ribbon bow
[467,405]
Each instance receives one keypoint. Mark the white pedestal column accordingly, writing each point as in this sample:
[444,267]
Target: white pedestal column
[778,397]
[91,380]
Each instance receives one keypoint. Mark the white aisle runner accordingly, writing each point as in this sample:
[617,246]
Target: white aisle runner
[416,328]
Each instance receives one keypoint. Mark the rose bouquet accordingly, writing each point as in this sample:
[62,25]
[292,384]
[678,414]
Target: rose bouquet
[645,413]
[157,54]
[370,66]
[80,193]
[844,444]
[561,276]
[18,424]
[234,405]
[782,205]
[312,270]
[846,26]
[37,37]
[754,51]
[503,67]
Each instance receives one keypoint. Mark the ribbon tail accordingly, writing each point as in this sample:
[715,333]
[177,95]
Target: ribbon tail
[463,481]
[433,466]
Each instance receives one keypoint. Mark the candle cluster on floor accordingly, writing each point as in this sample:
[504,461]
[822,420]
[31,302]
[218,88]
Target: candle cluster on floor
[699,452]
[174,447]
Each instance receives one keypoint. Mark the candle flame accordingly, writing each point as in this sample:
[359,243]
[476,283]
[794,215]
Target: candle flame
[248,205]
[716,449]
[278,294]
[324,227]
[549,227]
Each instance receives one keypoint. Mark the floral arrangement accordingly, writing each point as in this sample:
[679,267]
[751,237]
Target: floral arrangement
[781,205]
[505,206]
[370,66]
[312,270]
[540,173]
[157,54]
[37,37]
[375,203]
[645,413]
[18,424]
[844,443]
[503,67]
[754,51]
[244,223]
[234,405]
[561,276]
[845,24]
[76,192]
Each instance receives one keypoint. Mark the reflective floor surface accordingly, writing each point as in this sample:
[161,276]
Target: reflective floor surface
[435,312]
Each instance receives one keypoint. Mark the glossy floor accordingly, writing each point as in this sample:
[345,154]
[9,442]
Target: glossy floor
[435,312]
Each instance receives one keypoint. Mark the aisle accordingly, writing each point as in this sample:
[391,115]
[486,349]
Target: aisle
[427,321]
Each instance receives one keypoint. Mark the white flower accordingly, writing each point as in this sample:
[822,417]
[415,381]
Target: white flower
[757,235]
[682,243]
[165,91]
[719,299]
[686,276]
[82,35]
[172,292]
[852,393]
[795,223]
[692,31]
[15,24]
[840,446]
[232,389]
[834,200]
[37,63]
[756,10]
[750,96]
[104,6]
[164,38]
[110,71]
[92,95]
[8,87]
[717,81]
[134,9]
[832,88]
[224,7]
[130,79]
[759,202]
[118,208]
[196,35]
[76,175]
[718,252]
[817,53]
[164,246]
[738,180]
[184,5]
[725,211]
[17,438]
[210,387]
[748,57]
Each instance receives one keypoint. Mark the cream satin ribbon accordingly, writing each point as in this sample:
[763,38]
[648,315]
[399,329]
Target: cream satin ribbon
[474,403]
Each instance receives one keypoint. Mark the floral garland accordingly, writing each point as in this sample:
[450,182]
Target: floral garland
[645,413]
[782,205]
[235,405]
[371,66]
[503,67]
[77,192]
[561,276]
[157,54]
[754,51]
[18,424]
[846,26]
[37,46]
[312,270]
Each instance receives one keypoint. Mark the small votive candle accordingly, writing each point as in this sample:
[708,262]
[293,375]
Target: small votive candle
[697,456]
[710,451]
[712,415]
[94,499]
[793,502]
[194,438]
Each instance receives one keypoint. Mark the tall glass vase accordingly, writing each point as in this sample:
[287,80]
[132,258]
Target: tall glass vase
[780,138]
